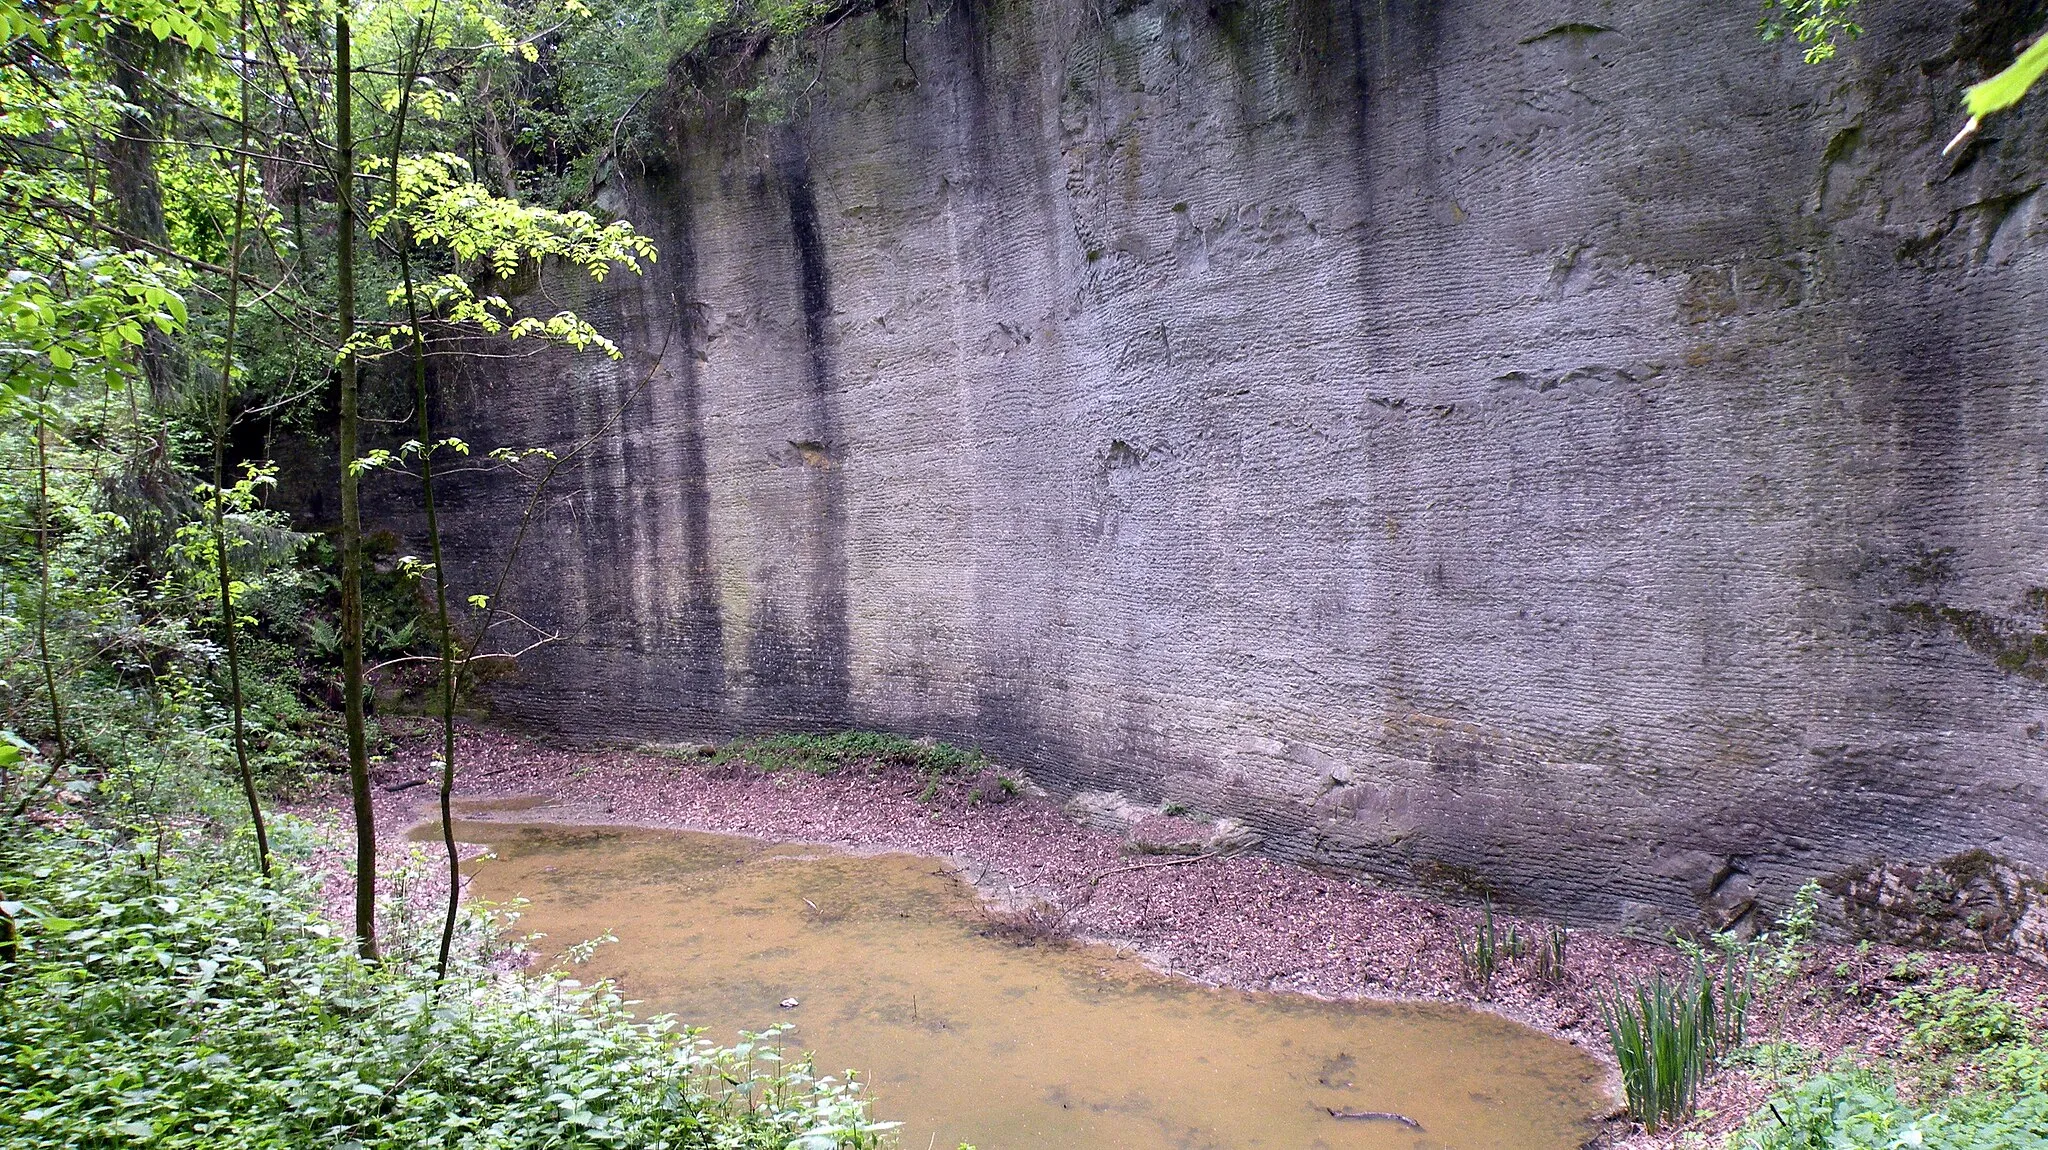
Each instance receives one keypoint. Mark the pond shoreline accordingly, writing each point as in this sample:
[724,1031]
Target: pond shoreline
[1239,921]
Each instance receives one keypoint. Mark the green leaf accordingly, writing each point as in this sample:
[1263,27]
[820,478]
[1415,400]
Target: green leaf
[2008,87]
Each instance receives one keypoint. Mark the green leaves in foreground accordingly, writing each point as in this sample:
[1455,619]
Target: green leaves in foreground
[170,1000]
[1854,1108]
[1978,1073]
[2005,89]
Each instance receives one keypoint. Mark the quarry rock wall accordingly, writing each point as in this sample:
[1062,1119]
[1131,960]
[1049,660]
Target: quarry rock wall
[1563,448]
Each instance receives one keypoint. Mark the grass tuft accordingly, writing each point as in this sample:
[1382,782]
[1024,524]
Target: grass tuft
[1488,948]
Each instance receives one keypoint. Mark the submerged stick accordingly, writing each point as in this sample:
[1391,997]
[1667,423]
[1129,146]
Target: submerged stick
[1374,1115]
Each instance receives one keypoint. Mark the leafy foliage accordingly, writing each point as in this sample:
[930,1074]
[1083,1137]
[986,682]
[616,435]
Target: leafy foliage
[175,209]
[1951,1019]
[1821,25]
[164,997]
[2008,87]
[1859,1109]
[1974,1068]
[75,320]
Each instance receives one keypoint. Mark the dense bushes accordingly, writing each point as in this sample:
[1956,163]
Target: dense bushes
[1973,1075]
[163,997]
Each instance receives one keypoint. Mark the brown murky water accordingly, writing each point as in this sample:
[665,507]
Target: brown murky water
[964,1037]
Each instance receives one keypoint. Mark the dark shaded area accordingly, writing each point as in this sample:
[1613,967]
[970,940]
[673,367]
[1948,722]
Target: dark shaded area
[1995,32]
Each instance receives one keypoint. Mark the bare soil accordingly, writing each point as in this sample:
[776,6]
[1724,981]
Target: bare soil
[1227,920]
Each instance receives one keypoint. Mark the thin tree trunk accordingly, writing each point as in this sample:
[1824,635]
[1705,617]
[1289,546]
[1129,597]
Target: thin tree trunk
[43,656]
[131,170]
[444,630]
[299,223]
[228,624]
[494,140]
[57,730]
[351,513]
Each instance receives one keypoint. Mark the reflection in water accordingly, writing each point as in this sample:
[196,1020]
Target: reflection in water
[963,1037]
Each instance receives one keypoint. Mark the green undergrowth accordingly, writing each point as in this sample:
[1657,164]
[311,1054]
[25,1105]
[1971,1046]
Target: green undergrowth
[1972,1074]
[860,750]
[1667,1035]
[159,995]
[1860,1108]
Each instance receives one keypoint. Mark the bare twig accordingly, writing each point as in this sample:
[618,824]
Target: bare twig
[1182,861]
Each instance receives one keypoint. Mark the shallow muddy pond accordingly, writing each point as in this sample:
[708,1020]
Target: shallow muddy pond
[966,1037]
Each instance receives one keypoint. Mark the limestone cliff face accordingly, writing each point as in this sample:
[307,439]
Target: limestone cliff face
[1562,445]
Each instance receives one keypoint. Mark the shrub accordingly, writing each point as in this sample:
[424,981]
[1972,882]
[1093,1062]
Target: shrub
[162,997]
[1962,1034]
[1951,1020]
[1032,921]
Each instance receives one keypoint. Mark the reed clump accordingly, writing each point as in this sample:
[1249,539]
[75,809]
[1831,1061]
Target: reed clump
[1488,948]
[1548,960]
[1667,1033]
